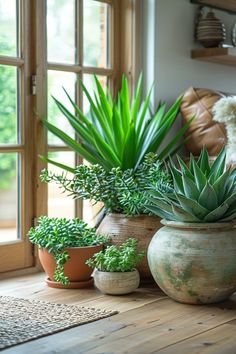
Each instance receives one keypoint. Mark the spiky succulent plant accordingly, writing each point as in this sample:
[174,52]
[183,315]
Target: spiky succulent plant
[202,192]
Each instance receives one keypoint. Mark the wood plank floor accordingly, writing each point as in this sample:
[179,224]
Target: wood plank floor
[148,322]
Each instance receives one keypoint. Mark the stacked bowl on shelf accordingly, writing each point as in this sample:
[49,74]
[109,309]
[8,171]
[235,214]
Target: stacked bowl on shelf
[210,31]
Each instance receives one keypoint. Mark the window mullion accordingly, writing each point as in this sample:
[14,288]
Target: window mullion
[79,97]
[27,122]
[5,60]
[41,104]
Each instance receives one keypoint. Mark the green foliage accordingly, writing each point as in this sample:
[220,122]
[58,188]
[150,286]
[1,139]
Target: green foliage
[8,120]
[123,258]
[117,133]
[56,234]
[119,191]
[201,193]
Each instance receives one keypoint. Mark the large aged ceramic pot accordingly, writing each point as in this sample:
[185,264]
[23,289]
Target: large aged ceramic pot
[194,263]
[142,227]
[75,268]
[116,283]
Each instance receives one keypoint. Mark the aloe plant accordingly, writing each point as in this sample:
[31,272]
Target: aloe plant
[202,192]
[116,133]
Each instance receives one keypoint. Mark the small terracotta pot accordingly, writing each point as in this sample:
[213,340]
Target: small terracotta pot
[116,283]
[75,268]
[142,227]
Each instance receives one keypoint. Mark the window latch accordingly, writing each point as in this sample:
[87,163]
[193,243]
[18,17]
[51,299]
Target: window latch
[33,85]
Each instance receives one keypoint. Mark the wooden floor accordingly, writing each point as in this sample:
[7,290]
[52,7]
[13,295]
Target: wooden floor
[148,322]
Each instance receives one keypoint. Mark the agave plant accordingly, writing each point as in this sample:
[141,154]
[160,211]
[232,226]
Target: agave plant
[115,133]
[201,192]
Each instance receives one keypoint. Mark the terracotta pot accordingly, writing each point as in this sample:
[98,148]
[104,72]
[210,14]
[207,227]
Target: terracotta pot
[194,263]
[116,283]
[142,227]
[75,268]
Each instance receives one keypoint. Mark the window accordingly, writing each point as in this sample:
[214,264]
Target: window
[83,55]
[46,45]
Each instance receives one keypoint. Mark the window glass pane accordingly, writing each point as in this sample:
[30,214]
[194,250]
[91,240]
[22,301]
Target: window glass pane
[9,199]
[8,28]
[89,82]
[8,105]
[61,30]
[90,212]
[96,34]
[56,81]
[59,203]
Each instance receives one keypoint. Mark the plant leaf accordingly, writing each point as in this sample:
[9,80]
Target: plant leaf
[137,98]
[129,153]
[166,151]
[177,178]
[203,161]
[192,207]
[217,213]
[161,213]
[200,178]
[190,188]
[69,141]
[184,216]
[208,197]
[218,167]
[55,163]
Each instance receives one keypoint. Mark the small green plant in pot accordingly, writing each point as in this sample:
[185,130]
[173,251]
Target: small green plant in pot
[64,247]
[192,258]
[115,271]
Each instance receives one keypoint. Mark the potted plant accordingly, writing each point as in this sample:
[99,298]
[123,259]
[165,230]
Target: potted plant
[115,137]
[115,272]
[64,247]
[123,196]
[192,258]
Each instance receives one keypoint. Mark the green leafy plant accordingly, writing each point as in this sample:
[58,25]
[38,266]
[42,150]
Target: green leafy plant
[116,133]
[56,234]
[8,109]
[119,191]
[123,258]
[201,193]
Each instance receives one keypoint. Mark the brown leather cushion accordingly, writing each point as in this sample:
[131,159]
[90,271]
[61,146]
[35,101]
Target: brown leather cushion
[204,131]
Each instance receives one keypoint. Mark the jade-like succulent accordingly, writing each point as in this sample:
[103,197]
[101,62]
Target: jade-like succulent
[202,192]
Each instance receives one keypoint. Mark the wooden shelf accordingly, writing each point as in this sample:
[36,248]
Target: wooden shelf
[226,56]
[226,5]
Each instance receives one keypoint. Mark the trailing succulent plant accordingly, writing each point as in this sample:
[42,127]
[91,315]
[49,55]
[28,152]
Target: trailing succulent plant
[119,191]
[56,234]
[201,192]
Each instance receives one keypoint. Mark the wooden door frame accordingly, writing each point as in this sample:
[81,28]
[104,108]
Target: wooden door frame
[19,254]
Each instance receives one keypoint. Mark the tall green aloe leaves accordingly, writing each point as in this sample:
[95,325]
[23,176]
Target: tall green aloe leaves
[118,132]
[201,193]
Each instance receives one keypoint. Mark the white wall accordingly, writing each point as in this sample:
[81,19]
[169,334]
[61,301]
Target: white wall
[167,42]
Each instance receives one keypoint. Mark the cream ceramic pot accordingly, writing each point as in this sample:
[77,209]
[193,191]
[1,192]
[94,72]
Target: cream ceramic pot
[116,283]
[194,263]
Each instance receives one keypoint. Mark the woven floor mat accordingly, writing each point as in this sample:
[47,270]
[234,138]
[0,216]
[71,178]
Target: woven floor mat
[22,320]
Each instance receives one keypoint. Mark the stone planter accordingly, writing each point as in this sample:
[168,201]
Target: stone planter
[194,263]
[75,268]
[142,227]
[116,283]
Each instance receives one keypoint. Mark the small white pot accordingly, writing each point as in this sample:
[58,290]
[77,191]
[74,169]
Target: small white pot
[116,283]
